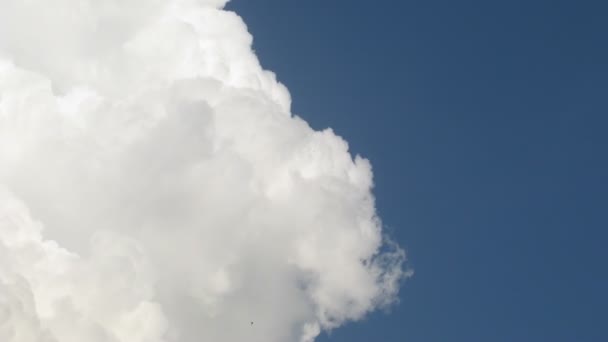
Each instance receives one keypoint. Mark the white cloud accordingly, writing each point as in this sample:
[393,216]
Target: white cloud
[156,187]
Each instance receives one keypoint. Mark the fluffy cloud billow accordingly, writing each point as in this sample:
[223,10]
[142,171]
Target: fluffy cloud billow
[155,187]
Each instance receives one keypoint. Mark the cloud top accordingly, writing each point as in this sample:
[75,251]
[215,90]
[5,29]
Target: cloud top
[156,188]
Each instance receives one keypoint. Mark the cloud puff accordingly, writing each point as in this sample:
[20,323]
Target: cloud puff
[154,186]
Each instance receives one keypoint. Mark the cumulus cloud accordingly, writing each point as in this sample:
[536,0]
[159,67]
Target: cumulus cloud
[155,187]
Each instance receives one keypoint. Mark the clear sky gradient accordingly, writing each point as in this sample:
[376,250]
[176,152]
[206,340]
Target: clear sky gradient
[486,125]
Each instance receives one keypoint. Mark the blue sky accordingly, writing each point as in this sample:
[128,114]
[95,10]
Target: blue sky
[486,124]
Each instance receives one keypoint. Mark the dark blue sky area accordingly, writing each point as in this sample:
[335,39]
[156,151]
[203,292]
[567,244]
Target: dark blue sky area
[486,125]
